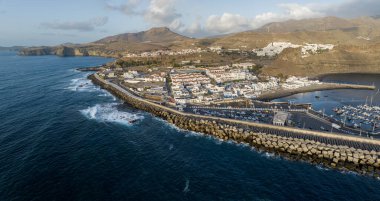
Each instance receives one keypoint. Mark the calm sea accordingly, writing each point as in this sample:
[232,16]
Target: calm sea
[62,138]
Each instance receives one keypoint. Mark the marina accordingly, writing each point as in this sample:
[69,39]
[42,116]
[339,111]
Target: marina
[364,117]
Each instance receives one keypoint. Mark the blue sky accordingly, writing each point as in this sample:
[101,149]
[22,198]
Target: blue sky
[51,22]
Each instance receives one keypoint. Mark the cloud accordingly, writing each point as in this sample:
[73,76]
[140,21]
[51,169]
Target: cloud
[59,34]
[163,13]
[296,11]
[88,25]
[353,8]
[129,8]
[157,13]
[228,23]
[195,27]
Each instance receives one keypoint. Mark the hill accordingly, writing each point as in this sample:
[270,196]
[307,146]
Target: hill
[153,39]
[154,35]
[356,45]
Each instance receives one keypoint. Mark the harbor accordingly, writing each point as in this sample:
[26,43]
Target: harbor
[356,110]
[363,117]
[276,94]
[340,151]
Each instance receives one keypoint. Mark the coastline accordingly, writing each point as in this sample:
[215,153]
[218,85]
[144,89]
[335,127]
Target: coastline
[328,149]
[269,96]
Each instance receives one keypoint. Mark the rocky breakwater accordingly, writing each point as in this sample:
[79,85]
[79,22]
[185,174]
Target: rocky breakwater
[340,157]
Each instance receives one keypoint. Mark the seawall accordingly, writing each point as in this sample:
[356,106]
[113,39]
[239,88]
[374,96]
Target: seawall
[332,150]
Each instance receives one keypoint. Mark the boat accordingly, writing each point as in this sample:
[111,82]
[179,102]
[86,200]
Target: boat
[317,97]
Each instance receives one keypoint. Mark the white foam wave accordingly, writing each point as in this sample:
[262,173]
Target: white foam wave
[348,172]
[187,184]
[82,84]
[267,155]
[109,113]
[107,94]
[322,168]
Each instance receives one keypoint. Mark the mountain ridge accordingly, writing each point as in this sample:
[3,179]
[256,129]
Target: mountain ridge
[356,45]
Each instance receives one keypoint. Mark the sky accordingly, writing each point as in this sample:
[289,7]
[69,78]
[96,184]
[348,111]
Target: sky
[53,22]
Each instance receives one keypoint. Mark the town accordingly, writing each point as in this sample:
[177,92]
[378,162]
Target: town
[201,86]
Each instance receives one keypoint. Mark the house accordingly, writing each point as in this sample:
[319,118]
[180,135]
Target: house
[128,75]
[185,62]
[110,74]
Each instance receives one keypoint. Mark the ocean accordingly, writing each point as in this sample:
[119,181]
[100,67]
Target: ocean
[62,138]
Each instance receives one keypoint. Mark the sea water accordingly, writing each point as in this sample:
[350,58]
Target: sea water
[62,138]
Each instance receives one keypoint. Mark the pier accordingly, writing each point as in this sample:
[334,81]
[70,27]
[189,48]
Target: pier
[268,96]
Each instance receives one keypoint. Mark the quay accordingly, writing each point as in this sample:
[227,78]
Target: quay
[90,69]
[268,96]
[341,151]
[251,109]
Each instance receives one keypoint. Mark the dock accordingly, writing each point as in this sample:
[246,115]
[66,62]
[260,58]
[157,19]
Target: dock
[268,96]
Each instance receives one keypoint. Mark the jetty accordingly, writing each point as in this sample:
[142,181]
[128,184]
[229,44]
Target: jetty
[89,69]
[271,95]
[345,152]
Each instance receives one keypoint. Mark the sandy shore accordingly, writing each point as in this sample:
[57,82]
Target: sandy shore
[268,96]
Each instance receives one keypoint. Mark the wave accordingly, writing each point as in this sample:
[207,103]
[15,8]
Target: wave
[109,113]
[322,168]
[187,184]
[105,93]
[82,84]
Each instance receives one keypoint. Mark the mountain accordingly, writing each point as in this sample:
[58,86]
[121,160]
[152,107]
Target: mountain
[356,45]
[154,35]
[152,39]
[319,30]
[316,24]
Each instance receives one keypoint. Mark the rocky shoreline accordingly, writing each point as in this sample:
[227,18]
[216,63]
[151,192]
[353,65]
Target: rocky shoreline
[339,157]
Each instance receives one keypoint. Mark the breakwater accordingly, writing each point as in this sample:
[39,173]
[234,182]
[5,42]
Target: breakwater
[89,69]
[332,150]
[268,96]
